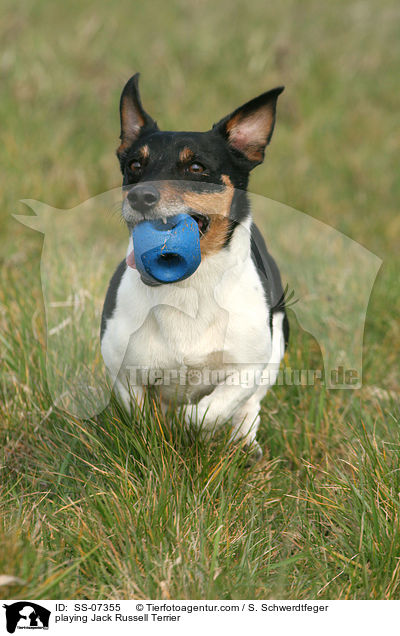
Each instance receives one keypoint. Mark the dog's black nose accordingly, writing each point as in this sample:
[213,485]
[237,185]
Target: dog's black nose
[143,197]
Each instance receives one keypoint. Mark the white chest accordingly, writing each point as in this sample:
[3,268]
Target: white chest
[216,320]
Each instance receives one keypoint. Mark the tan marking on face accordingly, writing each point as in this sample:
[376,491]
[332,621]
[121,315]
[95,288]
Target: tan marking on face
[216,235]
[186,155]
[225,179]
[218,202]
[169,195]
[215,205]
[144,152]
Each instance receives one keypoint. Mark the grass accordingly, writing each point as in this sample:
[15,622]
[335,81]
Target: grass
[103,508]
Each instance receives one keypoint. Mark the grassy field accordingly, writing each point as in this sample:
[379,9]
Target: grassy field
[103,508]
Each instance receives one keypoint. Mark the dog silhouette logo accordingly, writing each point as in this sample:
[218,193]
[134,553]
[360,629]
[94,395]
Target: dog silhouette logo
[26,615]
[331,276]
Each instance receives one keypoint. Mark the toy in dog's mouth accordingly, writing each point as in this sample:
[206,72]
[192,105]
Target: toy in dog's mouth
[167,250]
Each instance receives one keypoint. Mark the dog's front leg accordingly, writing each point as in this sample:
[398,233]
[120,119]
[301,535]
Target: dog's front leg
[128,394]
[213,410]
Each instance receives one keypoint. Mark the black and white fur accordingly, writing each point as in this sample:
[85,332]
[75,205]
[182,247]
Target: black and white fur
[229,315]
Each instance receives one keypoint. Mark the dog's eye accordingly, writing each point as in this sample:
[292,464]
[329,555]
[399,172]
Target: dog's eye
[196,167]
[135,166]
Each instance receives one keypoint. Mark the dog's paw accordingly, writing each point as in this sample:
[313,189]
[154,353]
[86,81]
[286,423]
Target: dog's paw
[254,454]
[204,416]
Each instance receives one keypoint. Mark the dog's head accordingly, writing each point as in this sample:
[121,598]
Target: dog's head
[204,174]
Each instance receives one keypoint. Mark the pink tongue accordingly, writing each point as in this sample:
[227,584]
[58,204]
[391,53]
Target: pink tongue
[130,260]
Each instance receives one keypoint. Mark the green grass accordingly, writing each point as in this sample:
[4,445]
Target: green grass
[107,508]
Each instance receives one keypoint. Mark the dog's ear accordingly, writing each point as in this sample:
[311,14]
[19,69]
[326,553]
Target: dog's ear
[248,130]
[134,118]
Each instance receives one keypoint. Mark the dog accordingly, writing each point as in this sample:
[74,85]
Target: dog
[227,322]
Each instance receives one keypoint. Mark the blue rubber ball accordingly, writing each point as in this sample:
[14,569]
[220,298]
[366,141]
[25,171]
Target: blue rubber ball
[167,252]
